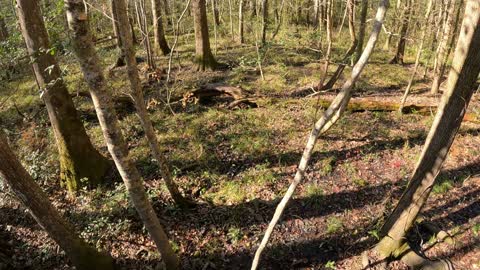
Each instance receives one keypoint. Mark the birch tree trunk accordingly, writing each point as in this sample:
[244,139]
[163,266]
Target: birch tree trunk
[327,119]
[85,52]
[78,158]
[159,41]
[460,88]
[29,193]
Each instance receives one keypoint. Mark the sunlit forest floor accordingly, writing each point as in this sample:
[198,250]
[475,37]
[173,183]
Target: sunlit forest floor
[238,163]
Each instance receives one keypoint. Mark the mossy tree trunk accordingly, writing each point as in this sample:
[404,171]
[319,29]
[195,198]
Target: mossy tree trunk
[203,54]
[79,160]
[460,88]
[29,193]
[87,56]
[159,41]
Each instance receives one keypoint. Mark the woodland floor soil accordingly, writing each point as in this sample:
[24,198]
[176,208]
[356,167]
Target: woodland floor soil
[238,163]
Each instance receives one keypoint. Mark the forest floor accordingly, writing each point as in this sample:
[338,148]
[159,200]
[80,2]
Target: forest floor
[238,163]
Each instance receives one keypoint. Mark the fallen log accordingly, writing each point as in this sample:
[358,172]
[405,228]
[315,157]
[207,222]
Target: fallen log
[385,106]
[207,92]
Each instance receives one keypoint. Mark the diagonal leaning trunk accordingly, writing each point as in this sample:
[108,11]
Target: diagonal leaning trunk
[334,111]
[460,88]
[78,158]
[137,94]
[31,195]
[85,52]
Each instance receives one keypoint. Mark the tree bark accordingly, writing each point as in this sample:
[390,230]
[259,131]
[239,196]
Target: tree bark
[460,88]
[203,54]
[85,52]
[31,195]
[328,118]
[79,160]
[159,41]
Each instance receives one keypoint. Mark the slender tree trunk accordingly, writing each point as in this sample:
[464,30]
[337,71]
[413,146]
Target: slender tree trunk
[3,30]
[203,54]
[419,53]
[216,15]
[241,37]
[264,21]
[460,87]
[398,58]
[142,22]
[85,52]
[442,49]
[160,43]
[31,195]
[280,19]
[351,26]
[137,94]
[316,12]
[361,30]
[328,15]
[328,118]
[79,160]
[230,15]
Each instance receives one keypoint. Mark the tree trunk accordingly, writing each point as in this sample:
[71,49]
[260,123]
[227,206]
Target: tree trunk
[79,160]
[241,37]
[160,43]
[3,30]
[264,21]
[328,15]
[142,22]
[137,94]
[216,15]
[328,118]
[361,30]
[85,52]
[442,49]
[398,58]
[460,87]
[31,195]
[419,53]
[351,26]
[203,54]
